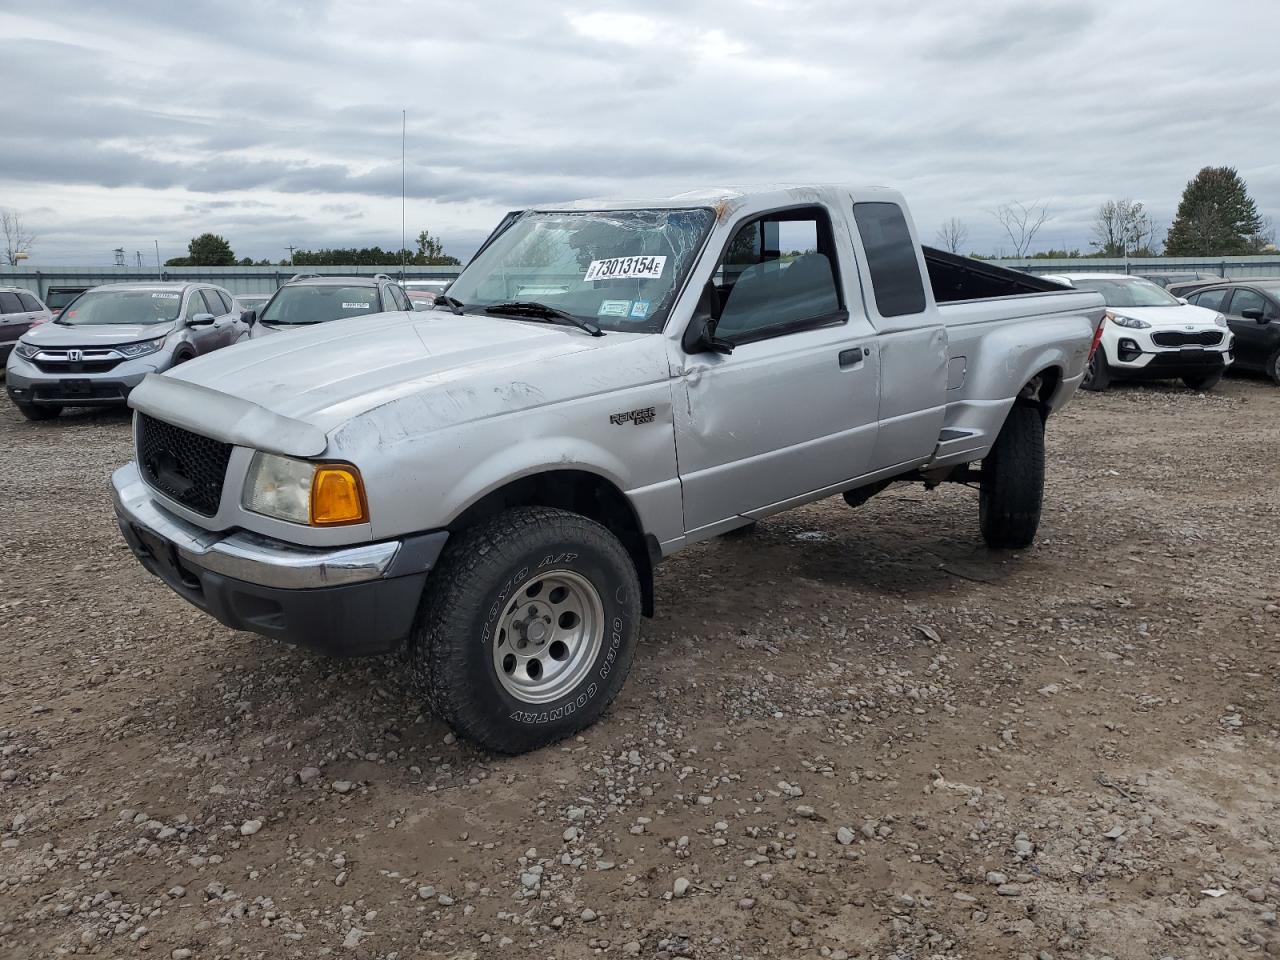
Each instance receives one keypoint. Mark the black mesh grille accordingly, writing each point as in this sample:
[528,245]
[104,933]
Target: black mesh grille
[184,465]
[1176,338]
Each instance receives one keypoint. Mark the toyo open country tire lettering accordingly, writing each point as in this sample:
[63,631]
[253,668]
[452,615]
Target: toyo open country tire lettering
[527,628]
[1011,489]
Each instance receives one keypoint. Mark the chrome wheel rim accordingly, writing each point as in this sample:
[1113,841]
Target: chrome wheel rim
[549,635]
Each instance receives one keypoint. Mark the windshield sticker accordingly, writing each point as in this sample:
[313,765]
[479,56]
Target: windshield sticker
[614,308]
[166,296]
[626,268]
[356,306]
[640,310]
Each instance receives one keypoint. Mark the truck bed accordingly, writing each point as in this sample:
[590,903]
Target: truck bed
[955,278]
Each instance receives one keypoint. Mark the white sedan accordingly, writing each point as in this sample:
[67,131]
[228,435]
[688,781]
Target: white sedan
[1149,334]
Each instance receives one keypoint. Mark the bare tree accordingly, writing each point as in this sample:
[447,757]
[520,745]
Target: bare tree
[1122,227]
[953,235]
[16,238]
[1021,222]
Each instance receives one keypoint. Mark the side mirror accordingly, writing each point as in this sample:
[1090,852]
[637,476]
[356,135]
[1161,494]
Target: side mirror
[1253,313]
[1183,300]
[700,335]
[201,320]
[249,317]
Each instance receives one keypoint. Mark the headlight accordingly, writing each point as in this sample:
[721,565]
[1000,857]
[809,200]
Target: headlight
[139,349]
[1220,320]
[1133,323]
[26,350]
[299,491]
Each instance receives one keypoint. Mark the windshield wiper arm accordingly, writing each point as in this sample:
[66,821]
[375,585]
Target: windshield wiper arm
[540,311]
[453,303]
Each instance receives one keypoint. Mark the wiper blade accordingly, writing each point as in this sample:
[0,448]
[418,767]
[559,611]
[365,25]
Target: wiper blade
[453,303]
[540,311]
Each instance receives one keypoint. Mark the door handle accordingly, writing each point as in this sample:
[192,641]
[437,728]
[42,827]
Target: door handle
[853,356]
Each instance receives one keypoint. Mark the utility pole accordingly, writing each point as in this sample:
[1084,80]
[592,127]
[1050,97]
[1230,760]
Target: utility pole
[159,269]
[291,248]
[138,254]
[119,252]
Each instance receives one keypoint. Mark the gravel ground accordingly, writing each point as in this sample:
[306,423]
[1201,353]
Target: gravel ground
[850,734]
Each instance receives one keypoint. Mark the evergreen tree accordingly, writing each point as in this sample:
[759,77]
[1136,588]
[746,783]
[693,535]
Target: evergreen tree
[1216,217]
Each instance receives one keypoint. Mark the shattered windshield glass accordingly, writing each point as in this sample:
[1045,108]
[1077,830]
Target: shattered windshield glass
[620,269]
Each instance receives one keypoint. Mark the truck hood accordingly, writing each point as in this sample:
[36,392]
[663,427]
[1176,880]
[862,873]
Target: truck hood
[1170,318]
[286,394]
[94,335]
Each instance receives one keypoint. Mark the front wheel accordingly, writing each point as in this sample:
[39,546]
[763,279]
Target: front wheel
[40,412]
[1011,488]
[527,628]
[1204,382]
[1097,375]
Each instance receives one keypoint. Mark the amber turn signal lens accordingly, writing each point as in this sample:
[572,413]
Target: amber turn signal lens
[337,496]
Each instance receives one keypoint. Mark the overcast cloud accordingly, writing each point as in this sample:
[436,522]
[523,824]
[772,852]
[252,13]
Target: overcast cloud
[278,123]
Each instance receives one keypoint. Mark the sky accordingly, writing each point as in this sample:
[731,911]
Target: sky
[277,123]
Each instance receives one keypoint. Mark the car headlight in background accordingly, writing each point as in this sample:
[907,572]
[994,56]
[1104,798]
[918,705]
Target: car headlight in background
[299,491]
[26,350]
[1220,320]
[1133,323]
[139,349]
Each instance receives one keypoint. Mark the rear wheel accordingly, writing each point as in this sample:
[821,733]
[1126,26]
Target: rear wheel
[1273,367]
[1011,489]
[41,412]
[1203,383]
[1097,375]
[527,628]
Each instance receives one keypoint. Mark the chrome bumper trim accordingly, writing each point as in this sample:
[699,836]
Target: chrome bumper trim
[248,556]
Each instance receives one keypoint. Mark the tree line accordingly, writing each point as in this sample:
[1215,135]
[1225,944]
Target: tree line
[211,250]
[1216,217]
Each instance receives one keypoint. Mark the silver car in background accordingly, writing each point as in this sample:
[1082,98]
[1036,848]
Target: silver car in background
[20,310]
[110,337]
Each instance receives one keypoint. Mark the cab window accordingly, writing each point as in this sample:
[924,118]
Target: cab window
[891,257]
[778,275]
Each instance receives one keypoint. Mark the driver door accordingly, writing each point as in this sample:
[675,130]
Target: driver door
[792,410]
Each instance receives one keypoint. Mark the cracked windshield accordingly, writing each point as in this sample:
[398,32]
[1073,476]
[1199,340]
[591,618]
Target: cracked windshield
[618,269]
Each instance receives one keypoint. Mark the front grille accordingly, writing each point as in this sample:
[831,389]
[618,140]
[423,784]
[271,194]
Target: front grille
[84,366]
[1177,338]
[183,465]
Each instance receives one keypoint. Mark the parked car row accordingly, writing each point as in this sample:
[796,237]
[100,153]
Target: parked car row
[1155,332]
[104,340]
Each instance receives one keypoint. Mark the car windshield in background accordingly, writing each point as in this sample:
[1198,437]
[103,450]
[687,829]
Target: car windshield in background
[618,268]
[103,307]
[319,303]
[57,299]
[1129,293]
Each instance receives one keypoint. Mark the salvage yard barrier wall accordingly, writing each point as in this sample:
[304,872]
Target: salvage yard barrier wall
[267,279]
[235,279]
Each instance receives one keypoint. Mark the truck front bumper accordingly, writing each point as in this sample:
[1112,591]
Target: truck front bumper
[351,601]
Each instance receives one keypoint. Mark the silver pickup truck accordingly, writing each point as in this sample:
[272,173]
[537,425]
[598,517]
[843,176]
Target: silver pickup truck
[489,485]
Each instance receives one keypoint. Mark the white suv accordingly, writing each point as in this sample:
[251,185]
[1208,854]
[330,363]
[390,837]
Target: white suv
[1150,334]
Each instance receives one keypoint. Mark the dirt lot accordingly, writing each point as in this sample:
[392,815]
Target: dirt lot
[851,734]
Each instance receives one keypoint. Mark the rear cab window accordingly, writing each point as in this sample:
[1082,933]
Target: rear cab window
[896,283]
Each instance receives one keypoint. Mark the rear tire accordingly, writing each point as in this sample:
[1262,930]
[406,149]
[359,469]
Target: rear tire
[1097,375]
[1012,482]
[1273,367]
[527,628]
[41,412]
[1203,383]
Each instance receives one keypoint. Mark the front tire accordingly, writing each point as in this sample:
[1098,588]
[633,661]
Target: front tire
[1011,490]
[1203,383]
[1097,375]
[527,628]
[39,412]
